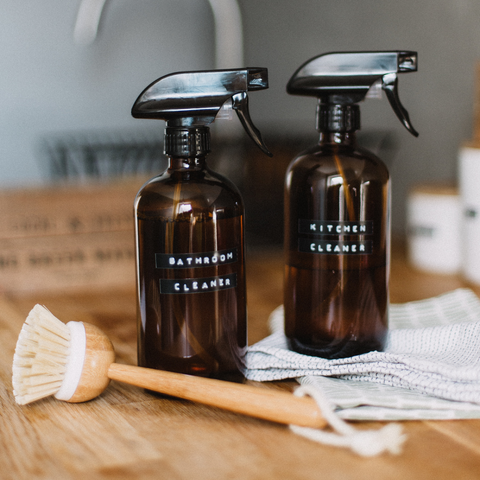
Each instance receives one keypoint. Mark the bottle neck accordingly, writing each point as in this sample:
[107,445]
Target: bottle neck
[338,123]
[186,164]
[337,138]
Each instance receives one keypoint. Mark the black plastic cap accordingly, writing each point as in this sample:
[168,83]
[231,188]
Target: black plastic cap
[187,142]
[338,118]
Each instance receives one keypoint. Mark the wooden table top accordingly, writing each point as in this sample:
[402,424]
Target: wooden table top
[127,433]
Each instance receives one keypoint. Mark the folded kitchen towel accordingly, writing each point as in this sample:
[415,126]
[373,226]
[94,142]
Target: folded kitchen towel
[430,367]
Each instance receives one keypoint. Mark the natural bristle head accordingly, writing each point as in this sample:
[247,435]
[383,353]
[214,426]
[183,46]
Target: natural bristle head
[40,359]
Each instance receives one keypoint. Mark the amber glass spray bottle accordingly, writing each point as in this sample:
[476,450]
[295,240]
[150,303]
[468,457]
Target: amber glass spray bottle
[191,298]
[337,211]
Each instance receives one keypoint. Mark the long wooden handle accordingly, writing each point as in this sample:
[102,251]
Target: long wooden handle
[264,403]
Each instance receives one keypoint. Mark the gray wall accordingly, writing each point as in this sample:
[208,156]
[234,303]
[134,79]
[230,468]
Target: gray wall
[49,85]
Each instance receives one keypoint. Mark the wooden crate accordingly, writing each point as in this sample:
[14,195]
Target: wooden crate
[70,237]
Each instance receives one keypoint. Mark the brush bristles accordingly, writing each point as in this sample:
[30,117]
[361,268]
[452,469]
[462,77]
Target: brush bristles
[40,356]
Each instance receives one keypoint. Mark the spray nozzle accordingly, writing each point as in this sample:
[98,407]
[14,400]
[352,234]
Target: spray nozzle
[344,78]
[193,99]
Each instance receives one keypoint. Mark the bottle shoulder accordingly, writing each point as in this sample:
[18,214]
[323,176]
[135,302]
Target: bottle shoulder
[202,177]
[330,160]
[195,192]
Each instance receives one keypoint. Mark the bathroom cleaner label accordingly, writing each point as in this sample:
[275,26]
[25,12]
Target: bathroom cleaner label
[198,285]
[195,260]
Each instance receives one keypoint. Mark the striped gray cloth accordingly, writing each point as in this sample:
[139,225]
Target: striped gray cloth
[430,368]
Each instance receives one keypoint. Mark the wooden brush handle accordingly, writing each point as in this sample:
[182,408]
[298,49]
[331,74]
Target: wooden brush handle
[267,404]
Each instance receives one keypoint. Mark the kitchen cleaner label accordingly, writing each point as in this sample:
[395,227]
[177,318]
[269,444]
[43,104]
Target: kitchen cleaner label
[195,260]
[335,247]
[198,285]
[337,244]
[335,228]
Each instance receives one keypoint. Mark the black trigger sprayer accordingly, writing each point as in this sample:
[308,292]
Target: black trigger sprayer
[337,210]
[190,230]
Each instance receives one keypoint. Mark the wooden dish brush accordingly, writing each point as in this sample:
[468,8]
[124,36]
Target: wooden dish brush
[75,363]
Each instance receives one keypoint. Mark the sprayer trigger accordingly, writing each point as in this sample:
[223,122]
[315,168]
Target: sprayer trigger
[390,85]
[240,105]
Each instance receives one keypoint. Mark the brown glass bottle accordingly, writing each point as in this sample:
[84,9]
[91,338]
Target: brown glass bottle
[190,272]
[337,234]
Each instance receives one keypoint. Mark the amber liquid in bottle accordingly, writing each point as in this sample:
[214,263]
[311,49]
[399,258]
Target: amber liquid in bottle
[337,234]
[190,272]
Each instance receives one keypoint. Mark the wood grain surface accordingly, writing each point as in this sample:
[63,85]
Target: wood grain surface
[127,433]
